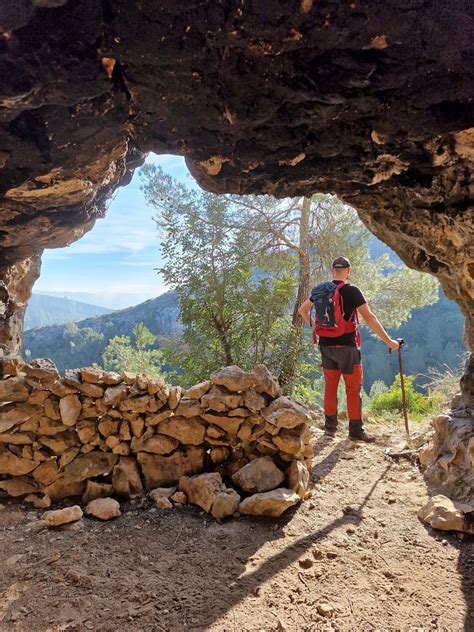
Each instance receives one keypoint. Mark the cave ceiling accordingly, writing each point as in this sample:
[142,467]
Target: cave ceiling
[370,100]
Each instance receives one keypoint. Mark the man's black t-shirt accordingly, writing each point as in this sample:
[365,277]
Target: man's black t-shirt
[352,298]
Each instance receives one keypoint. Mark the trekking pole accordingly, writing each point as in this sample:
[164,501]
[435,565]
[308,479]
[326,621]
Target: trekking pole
[401,342]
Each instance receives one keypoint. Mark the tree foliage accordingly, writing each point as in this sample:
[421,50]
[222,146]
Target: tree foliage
[123,354]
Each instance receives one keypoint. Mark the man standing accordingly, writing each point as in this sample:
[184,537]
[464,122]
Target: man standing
[340,353]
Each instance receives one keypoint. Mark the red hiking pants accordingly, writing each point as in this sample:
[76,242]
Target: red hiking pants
[343,361]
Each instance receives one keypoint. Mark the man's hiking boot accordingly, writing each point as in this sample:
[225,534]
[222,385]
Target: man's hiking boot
[330,426]
[357,432]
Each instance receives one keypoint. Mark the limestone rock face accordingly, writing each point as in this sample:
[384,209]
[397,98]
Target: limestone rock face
[448,460]
[260,475]
[448,515]
[272,503]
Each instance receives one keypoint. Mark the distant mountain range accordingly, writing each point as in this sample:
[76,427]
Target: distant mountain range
[72,345]
[44,310]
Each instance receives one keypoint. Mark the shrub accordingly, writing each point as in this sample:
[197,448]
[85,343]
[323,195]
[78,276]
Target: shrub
[418,404]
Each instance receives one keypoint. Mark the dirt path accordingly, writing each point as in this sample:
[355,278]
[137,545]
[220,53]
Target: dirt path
[356,550]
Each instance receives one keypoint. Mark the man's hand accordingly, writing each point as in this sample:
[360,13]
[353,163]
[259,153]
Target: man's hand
[393,344]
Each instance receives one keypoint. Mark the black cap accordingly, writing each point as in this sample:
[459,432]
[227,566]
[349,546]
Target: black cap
[341,262]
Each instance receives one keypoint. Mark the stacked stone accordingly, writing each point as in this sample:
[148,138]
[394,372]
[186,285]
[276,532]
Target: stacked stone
[94,433]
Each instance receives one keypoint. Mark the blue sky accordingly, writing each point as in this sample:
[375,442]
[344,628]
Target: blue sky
[112,265]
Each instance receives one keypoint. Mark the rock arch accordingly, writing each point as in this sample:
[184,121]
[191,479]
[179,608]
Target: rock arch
[371,101]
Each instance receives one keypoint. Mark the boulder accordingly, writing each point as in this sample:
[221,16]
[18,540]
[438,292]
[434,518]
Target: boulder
[111,378]
[46,472]
[108,427]
[89,465]
[67,456]
[143,404]
[272,503]
[233,378]
[16,414]
[17,438]
[91,375]
[86,430]
[225,504]
[37,398]
[188,408]
[187,431]
[160,470]
[62,516]
[284,412]
[115,394]
[96,490]
[50,427]
[163,503]
[126,478]
[62,489]
[214,432]
[266,382]
[13,389]
[202,489]
[175,396]
[19,486]
[229,424]
[70,407]
[260,475]
[103,508]
[155,384]
[137,427]
[39,502]
[219,454]
[291,441]
[161,492]
[198,390]
[60,442]
[179,497]
[157,444]
[51,409]
[239,412]
[254,401]
[298,478]
[220,400]
[154,420]
[91,390]
[10,365]
[42,369]
[14,465]
[448,515]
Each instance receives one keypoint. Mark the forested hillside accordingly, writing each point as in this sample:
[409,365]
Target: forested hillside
[433,338]
[80,344]
[44,310]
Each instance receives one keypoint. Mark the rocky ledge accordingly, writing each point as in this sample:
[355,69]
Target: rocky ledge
[229,444]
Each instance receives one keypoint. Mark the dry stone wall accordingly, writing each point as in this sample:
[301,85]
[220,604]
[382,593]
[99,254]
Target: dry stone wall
[93,433]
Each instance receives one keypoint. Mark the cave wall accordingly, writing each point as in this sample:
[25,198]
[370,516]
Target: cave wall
[369,100]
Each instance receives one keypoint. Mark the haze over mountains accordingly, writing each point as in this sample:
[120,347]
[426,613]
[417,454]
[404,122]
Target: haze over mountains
[45,309]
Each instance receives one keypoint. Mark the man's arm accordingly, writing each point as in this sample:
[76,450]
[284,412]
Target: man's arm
[305,310]
[373,322]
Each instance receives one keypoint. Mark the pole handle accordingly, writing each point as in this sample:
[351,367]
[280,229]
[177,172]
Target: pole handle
[401,342]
